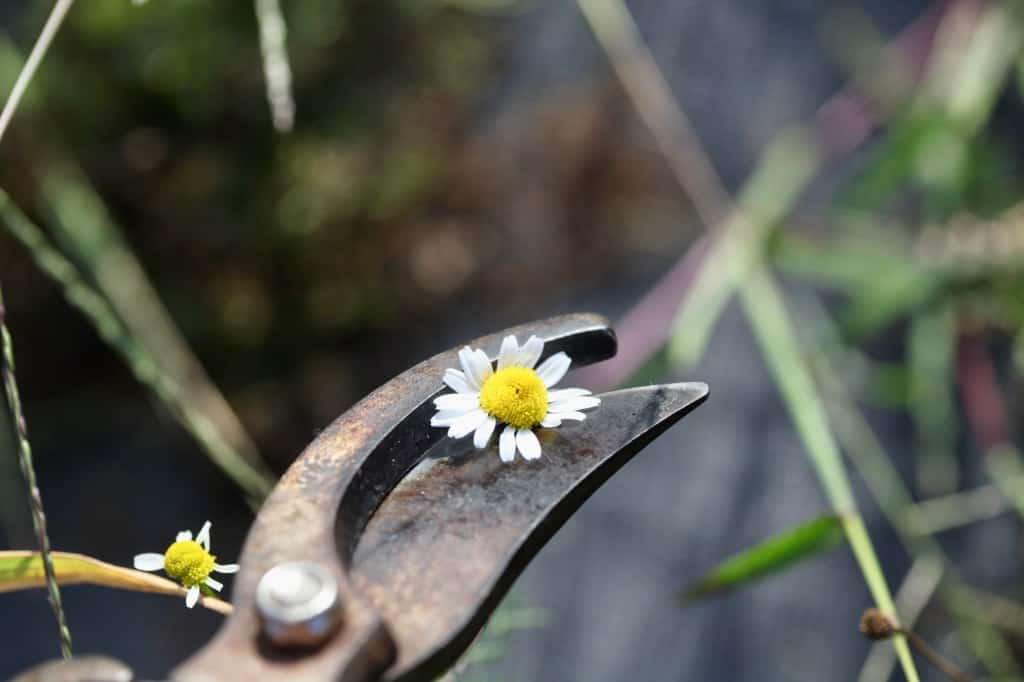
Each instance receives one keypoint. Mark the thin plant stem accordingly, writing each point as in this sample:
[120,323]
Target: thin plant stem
[914,594]
[764,307]
[955,510]
[50,29]
[276,70]
[940,662]
[85,231]
[24,448]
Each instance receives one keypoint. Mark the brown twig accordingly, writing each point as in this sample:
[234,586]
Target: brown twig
[876,625]
[938,661]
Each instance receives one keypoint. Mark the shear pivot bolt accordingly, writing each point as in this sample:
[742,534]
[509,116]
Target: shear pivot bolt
[299,604]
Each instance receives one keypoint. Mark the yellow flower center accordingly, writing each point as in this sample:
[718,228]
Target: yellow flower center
[516,396]
[187,562]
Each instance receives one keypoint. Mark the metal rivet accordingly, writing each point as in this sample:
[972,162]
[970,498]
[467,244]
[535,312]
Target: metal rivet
[299,604]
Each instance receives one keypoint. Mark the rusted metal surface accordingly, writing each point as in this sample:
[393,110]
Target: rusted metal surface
[451,538]
[323,502]
[78,669]
[422,534]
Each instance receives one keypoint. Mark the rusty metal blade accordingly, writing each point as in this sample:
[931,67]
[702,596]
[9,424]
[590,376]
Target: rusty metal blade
[318,511]
[452,536]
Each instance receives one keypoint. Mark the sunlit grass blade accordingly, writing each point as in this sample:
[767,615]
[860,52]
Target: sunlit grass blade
[21,570]
[802,542]
[885,483]
[762,300]
[779,180]
[87,233]
[80,294]
[50,28]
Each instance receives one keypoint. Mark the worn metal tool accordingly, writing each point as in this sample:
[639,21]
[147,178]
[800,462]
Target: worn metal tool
[385,547]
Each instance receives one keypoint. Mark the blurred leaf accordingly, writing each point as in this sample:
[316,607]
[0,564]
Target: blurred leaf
[850,259]
[22,569]
[893,294]
[932,403]
[805,541]
[872,264]
[892,163]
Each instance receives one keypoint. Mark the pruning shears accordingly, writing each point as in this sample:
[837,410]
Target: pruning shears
[385,547]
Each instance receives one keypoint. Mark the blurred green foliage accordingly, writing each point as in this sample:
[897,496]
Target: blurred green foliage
[365,219]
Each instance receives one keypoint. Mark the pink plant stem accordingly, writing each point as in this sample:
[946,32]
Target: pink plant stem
[982,397]
[843,123]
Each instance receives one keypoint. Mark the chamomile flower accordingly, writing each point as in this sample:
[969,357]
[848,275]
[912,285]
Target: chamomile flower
[189,562]
[514,394]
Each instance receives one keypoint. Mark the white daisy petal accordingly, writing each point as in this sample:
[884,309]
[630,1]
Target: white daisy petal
[148,562]
[550,421]
[183,536]
[466,360]
[466,424]
[483,433]
[562,416]
[509,352]
[213,584]
[192,597]
[203,536]
[526,441]
[507,444]
[457,381]
[573,404]
[226,568]
[482,366]
[446,418]
[530,352]
[457,401]
[553,369]
[562,393]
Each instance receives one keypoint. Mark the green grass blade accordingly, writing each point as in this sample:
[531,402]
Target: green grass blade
[892,496]
[807,540]
[80,294]
[762,300]
[1006,470]
[87,233]
[787,167]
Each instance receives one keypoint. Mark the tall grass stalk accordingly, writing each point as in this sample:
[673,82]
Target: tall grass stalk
[763,304]
[616,31]
[85,231]
[886,486]
[276,70]
[24,448]
[255,482]
[50,29]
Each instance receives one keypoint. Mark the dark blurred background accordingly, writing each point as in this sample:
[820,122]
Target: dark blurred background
[458,166]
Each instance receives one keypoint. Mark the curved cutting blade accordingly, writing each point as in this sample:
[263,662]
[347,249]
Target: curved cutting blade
[450,539]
